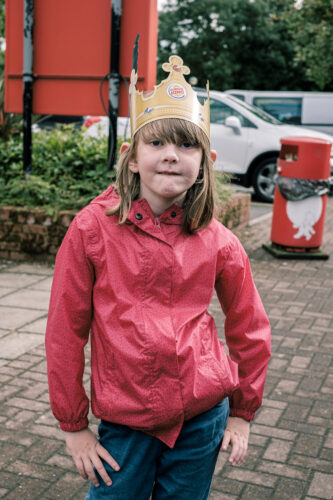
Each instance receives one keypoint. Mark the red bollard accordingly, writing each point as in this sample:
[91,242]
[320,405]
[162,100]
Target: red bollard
[300,198]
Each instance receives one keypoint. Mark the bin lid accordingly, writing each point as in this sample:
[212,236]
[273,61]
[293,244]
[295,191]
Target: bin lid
[296,140]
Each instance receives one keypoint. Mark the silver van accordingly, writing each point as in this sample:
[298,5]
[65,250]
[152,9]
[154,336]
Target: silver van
[308,109]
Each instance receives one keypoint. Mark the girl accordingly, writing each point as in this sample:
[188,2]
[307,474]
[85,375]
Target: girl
[137,269]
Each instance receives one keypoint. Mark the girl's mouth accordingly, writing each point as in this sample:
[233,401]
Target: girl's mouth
[169,173]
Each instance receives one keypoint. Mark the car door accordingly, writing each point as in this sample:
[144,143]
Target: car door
[231,145]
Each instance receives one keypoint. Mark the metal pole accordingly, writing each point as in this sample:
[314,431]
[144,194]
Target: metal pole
[28,23]
[116,10]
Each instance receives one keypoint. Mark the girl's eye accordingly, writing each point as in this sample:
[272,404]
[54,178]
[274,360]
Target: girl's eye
[156,143]
[186,145]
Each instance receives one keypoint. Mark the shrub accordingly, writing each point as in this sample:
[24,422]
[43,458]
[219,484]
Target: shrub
[69,170]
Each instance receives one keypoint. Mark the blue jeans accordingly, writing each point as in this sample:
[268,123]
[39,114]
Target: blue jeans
[150,469]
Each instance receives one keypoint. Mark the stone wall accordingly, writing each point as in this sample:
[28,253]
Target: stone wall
[31,234]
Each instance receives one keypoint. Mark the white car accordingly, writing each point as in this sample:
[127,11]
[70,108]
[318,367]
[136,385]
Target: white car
[247,140]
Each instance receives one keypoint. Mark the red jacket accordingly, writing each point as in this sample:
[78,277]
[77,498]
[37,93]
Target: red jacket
[142,290]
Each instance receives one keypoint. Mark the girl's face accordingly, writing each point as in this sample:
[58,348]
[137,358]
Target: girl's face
[166,170]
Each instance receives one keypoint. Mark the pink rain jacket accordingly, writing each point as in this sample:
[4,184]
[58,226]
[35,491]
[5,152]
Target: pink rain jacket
[142,291]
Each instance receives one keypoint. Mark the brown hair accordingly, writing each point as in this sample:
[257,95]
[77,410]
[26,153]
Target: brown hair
[199,201]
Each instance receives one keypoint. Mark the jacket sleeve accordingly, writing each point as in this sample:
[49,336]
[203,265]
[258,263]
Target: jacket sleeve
[247,329]
[68,329]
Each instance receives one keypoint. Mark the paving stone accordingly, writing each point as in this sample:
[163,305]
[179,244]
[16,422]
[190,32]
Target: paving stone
[321,486]
[285,385]
[308,445]
[13,317]
[20,420]
[42,284]
[273,432]
[47,431]
[28,489]
[42,450]
[271,403]
[283,470]
[33,268]
[278,364]
[64,462]
[311,463]
[17,280]
[32,299]
[67,485]
[216,495]
[289,489]
[269,416]
[294,411]
[257,440]
[24,403]
[37,471]
[38,326]
[226,485]
[301,427]
[311,384]
[9,452]
[256,492]
[329,440]
[323,409]
[278,450]
[18,343]
[327,454]
[246,476]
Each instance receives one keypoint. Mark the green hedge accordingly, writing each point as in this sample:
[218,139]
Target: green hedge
[69,170]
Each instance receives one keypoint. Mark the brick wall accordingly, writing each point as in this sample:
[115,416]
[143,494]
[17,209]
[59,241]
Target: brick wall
[31,234]
[236,212]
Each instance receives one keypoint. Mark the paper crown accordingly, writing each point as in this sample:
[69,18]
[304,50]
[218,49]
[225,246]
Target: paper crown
[172,98]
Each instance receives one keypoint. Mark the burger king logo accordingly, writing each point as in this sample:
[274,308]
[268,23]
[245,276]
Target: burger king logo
[176,91]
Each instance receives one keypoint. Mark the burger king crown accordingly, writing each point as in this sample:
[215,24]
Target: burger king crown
[172,98]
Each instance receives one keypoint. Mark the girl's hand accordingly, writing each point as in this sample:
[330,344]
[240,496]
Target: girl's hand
[237,434]
[86,452]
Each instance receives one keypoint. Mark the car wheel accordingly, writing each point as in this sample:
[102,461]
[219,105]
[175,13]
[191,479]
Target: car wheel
[263,179]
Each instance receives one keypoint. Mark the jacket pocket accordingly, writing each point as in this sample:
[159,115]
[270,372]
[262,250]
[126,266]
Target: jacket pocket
[213,350]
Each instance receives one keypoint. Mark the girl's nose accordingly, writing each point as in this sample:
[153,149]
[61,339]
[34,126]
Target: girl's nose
[170,153]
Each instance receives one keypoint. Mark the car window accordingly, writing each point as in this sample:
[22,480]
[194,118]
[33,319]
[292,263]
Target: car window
[259,113]
[219,111]
[285,109]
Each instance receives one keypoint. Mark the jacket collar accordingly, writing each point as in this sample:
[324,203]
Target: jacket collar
[141,214]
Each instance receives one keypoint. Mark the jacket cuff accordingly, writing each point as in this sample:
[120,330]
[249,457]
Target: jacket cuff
[74,426]
[245,414]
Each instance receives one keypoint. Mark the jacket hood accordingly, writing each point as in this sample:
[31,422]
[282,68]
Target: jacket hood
[108,198]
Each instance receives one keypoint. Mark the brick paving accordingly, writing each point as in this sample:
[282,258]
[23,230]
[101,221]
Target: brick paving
[291,445]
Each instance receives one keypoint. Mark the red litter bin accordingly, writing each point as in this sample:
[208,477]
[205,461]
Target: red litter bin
[302,184]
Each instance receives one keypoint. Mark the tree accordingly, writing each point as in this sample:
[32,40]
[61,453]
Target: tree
[240,44]
[313,34]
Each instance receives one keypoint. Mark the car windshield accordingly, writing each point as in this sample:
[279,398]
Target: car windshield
[256,111]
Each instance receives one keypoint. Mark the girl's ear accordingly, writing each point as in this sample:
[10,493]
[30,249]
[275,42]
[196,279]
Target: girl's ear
[133,166]
[123,147]
[132,163]
[213,155]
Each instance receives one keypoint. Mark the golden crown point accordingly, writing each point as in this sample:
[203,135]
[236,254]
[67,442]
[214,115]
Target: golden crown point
[172,98]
